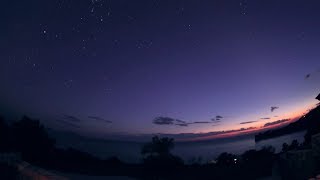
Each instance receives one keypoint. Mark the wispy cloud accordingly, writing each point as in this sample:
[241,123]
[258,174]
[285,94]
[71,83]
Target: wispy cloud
[71,118]
[276,122]
[163,120]
[99,119]
[248,122]
[265,118]
[180,121]
[68,123]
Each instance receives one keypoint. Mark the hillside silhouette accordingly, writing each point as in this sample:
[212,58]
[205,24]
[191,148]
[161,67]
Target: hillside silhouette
[309,122]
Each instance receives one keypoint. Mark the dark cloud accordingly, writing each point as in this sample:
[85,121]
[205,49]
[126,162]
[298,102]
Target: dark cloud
[276,122]
[99,119]
[248,122]
[307,76]
[71,118]
[163,121]
[217,118]
[265,118]
[180,121]
[274,108]
[201,122]
[177,122]
[243,129]
[182,124]
[68,123]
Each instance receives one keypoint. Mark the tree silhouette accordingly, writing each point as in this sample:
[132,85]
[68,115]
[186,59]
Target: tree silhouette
[285,147]
[158,159]
[158,147]
[294,145]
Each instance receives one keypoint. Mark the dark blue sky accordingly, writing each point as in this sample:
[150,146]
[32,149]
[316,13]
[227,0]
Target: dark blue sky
[97,66]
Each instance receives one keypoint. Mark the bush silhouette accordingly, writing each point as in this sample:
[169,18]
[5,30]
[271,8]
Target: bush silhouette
[226,159]
[4,136]
[258,162]
[8,172]
[31,139]
[285,147]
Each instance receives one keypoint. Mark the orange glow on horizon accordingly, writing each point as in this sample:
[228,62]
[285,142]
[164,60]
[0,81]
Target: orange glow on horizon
[256,126]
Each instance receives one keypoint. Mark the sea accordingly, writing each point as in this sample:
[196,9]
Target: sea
[190,152]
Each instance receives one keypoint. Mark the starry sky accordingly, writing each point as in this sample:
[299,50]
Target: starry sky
[113,67]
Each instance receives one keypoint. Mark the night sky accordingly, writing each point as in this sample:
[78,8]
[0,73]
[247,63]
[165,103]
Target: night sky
[116,67]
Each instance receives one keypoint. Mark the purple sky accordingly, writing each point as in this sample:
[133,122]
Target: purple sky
[125,63]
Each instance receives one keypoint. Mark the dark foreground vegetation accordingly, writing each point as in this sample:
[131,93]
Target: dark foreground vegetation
[29,138]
